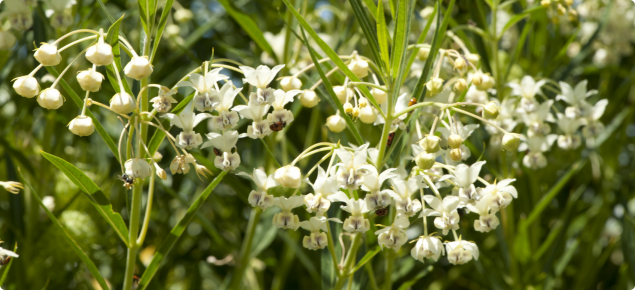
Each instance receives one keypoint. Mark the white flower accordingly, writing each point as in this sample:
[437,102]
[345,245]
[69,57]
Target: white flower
[461,252]
[336,123]
[207,97]
[290,83]
[11,186]
[90,80]
[227,161]
[353,167]
[26,86]
[254,110]
[138,68]
[343,93]
[379,95]
[445,211]
[356,223]
[316,240]
[575,96]
[224,142]
[501,193]
[288,176]
[183,15]
[569,126]
[259,197]
[528,87]
[535,160]
[82,126]
[280,114]
[226,119]
[260,78]
[259,129]
[394,236]
[50,99]
[187,120]
[285,219]
[358,66]
[4,253]
[100,53]
[122,103]
[427,247]
[180,164]
[48,55]
[464,176]
[163,102]
[137,168]
[536,119]
[402,190]
[487,216]
[326,191]
[377,198]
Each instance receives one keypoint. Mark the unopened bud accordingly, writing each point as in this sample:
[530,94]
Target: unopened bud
[26,86]
[355,112]
[490,111]
[368,114]
[348,108]
[90,80]
[50,99]
[82,126]
[425,160]
[48,55]
[358,66]
[379,95]
[342,93]
[290,83]
[336,123]
[309,99]
[460,64]
[456,154]
[460,85]
[511,141]
[423,53]
[138,68]
[160,172]
[455,141]
[545,3]
[435,85]
[430,143]
[477,79]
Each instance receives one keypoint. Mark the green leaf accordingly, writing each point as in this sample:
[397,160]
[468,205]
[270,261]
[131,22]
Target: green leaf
[476,10]
[628,243]
[401,35]
[383,37]
[371,5]
[162,22]
[112,38]
[408,284]
[421,39]
[329,89]
[518,49]
[97,198]
[80,104]
[176,233]
[250,26]
[519,17]
[369,255]
[76,248]
[367,28]
[330,53]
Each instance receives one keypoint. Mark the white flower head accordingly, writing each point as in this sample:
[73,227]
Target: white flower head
[356,223]
[487,217]
[316,240]
[377,198]
[353,167]
[258,129]
[574,96]
[429,247]
[501,192]
[464,176]
[528,87]
[224,142]
[402,190]
[226,119]
[163,102]
[285,219]
[445,211]
[461,252]
[288,176]
[137,168]
[326,191]
[394,236]
[254,110]
[259,197]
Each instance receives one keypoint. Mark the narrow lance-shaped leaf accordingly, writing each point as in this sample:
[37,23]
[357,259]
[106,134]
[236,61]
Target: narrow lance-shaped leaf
[92,268]
[97,198]
[369,255]
[367,28]
[176,233]
[112,38]
[422,37]
[80,103]
[402,33]
[162,22]
[382,34]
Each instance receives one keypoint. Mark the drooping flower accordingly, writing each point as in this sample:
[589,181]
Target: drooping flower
[326,191]
[163,102]
[288,176]
[317,226]
[464,176]
[82,126]
[569,126]
[285,219]
[445,211]
[137,168]
[187,120]
[461,252]
[207,96]
[429,247]
[377,198]
[353,167]
[487,217]
[394,236]
[138,68]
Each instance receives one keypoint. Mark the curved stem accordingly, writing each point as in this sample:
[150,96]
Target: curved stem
[480,118]
[146,219]
[67,67]
[75,32]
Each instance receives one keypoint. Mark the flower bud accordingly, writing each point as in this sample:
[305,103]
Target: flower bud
[183,15]
[355,112]
[545,3]
[358,66]
[511,141]
[172,30]
[288,176]
[336,123]
[435,86]
[138,168]
[477,79]
[561,10]
[122,103]
[100,54]
[430,143]
[425,160]
[423,53]
[82,126]
[460,64]
[138,68]
[342,93]
[487,83]
[427,247]
[460,85]
[456,154]
[48,55]
[160,172]
[157,156]
[290,83]
[90,80]
[348,108]
[7,40]
[473,57]
[309,99]
[568,2]
[368,114]
[26,86]
[379,95]
[50,99]
[455,141]
[490,111]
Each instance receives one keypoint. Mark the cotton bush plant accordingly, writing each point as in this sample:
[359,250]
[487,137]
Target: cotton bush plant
[360,195]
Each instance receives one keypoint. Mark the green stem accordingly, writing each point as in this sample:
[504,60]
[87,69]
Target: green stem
[273,157]
[390,258]
[146,219]
[331,247]
[135,213]
[348,263]
[245,249]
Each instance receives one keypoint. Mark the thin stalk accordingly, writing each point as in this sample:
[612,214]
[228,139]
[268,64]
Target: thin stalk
[245,249]
[331,247]
[270,153]
[146,219]
[387,124]
[135,213]
[390,259]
